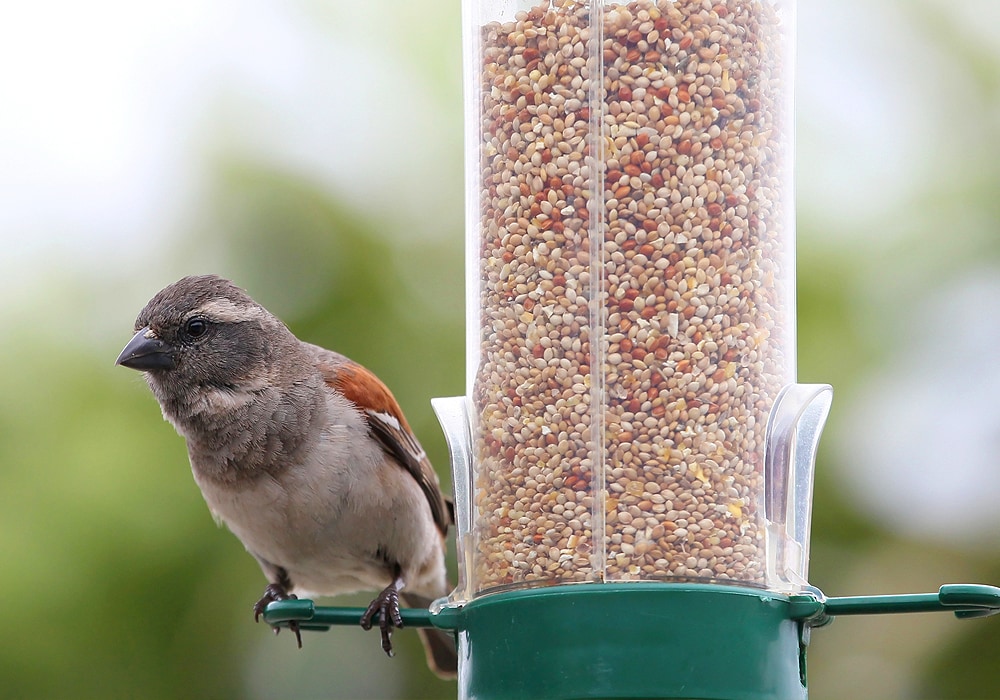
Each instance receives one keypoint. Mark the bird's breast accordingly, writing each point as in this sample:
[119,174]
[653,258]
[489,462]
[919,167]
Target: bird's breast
[309,517]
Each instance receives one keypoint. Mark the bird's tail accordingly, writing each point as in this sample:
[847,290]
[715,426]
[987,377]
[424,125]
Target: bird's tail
[439,645]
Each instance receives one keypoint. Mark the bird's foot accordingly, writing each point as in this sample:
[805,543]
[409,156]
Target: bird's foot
[386,605]
[272,594]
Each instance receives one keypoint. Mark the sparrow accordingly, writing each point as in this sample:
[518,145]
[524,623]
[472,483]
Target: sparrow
[302,453]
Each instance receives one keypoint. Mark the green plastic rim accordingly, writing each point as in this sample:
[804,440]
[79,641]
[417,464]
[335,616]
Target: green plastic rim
[965,600]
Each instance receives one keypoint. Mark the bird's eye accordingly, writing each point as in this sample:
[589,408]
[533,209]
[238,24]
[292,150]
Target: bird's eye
[195,328]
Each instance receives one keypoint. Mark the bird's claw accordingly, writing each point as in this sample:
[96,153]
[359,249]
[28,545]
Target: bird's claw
[272,594]
[386,605]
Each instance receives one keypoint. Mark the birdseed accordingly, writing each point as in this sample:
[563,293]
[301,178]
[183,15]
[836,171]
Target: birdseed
[635,275]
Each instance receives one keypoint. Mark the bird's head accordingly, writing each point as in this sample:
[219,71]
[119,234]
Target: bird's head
[204,333]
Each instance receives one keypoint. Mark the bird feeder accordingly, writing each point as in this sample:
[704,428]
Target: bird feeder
[633,459]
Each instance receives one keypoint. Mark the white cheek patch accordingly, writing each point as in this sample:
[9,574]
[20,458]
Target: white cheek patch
[223,401]
[225,311]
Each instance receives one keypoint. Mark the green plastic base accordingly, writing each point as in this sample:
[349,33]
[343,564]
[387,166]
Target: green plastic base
[642,640]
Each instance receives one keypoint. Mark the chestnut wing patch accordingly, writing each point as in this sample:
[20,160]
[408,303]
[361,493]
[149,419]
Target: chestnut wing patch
[389,427]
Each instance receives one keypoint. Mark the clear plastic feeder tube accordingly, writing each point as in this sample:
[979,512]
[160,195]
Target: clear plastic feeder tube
[631,286]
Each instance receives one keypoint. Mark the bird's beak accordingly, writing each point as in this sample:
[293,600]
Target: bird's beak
[146,352]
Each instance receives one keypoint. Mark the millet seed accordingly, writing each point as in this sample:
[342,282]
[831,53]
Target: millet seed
[634,287]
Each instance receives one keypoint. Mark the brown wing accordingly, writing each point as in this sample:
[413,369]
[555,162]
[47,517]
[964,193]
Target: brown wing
[389,427]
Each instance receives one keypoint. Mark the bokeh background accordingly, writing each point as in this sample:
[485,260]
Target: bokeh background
[312,151]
